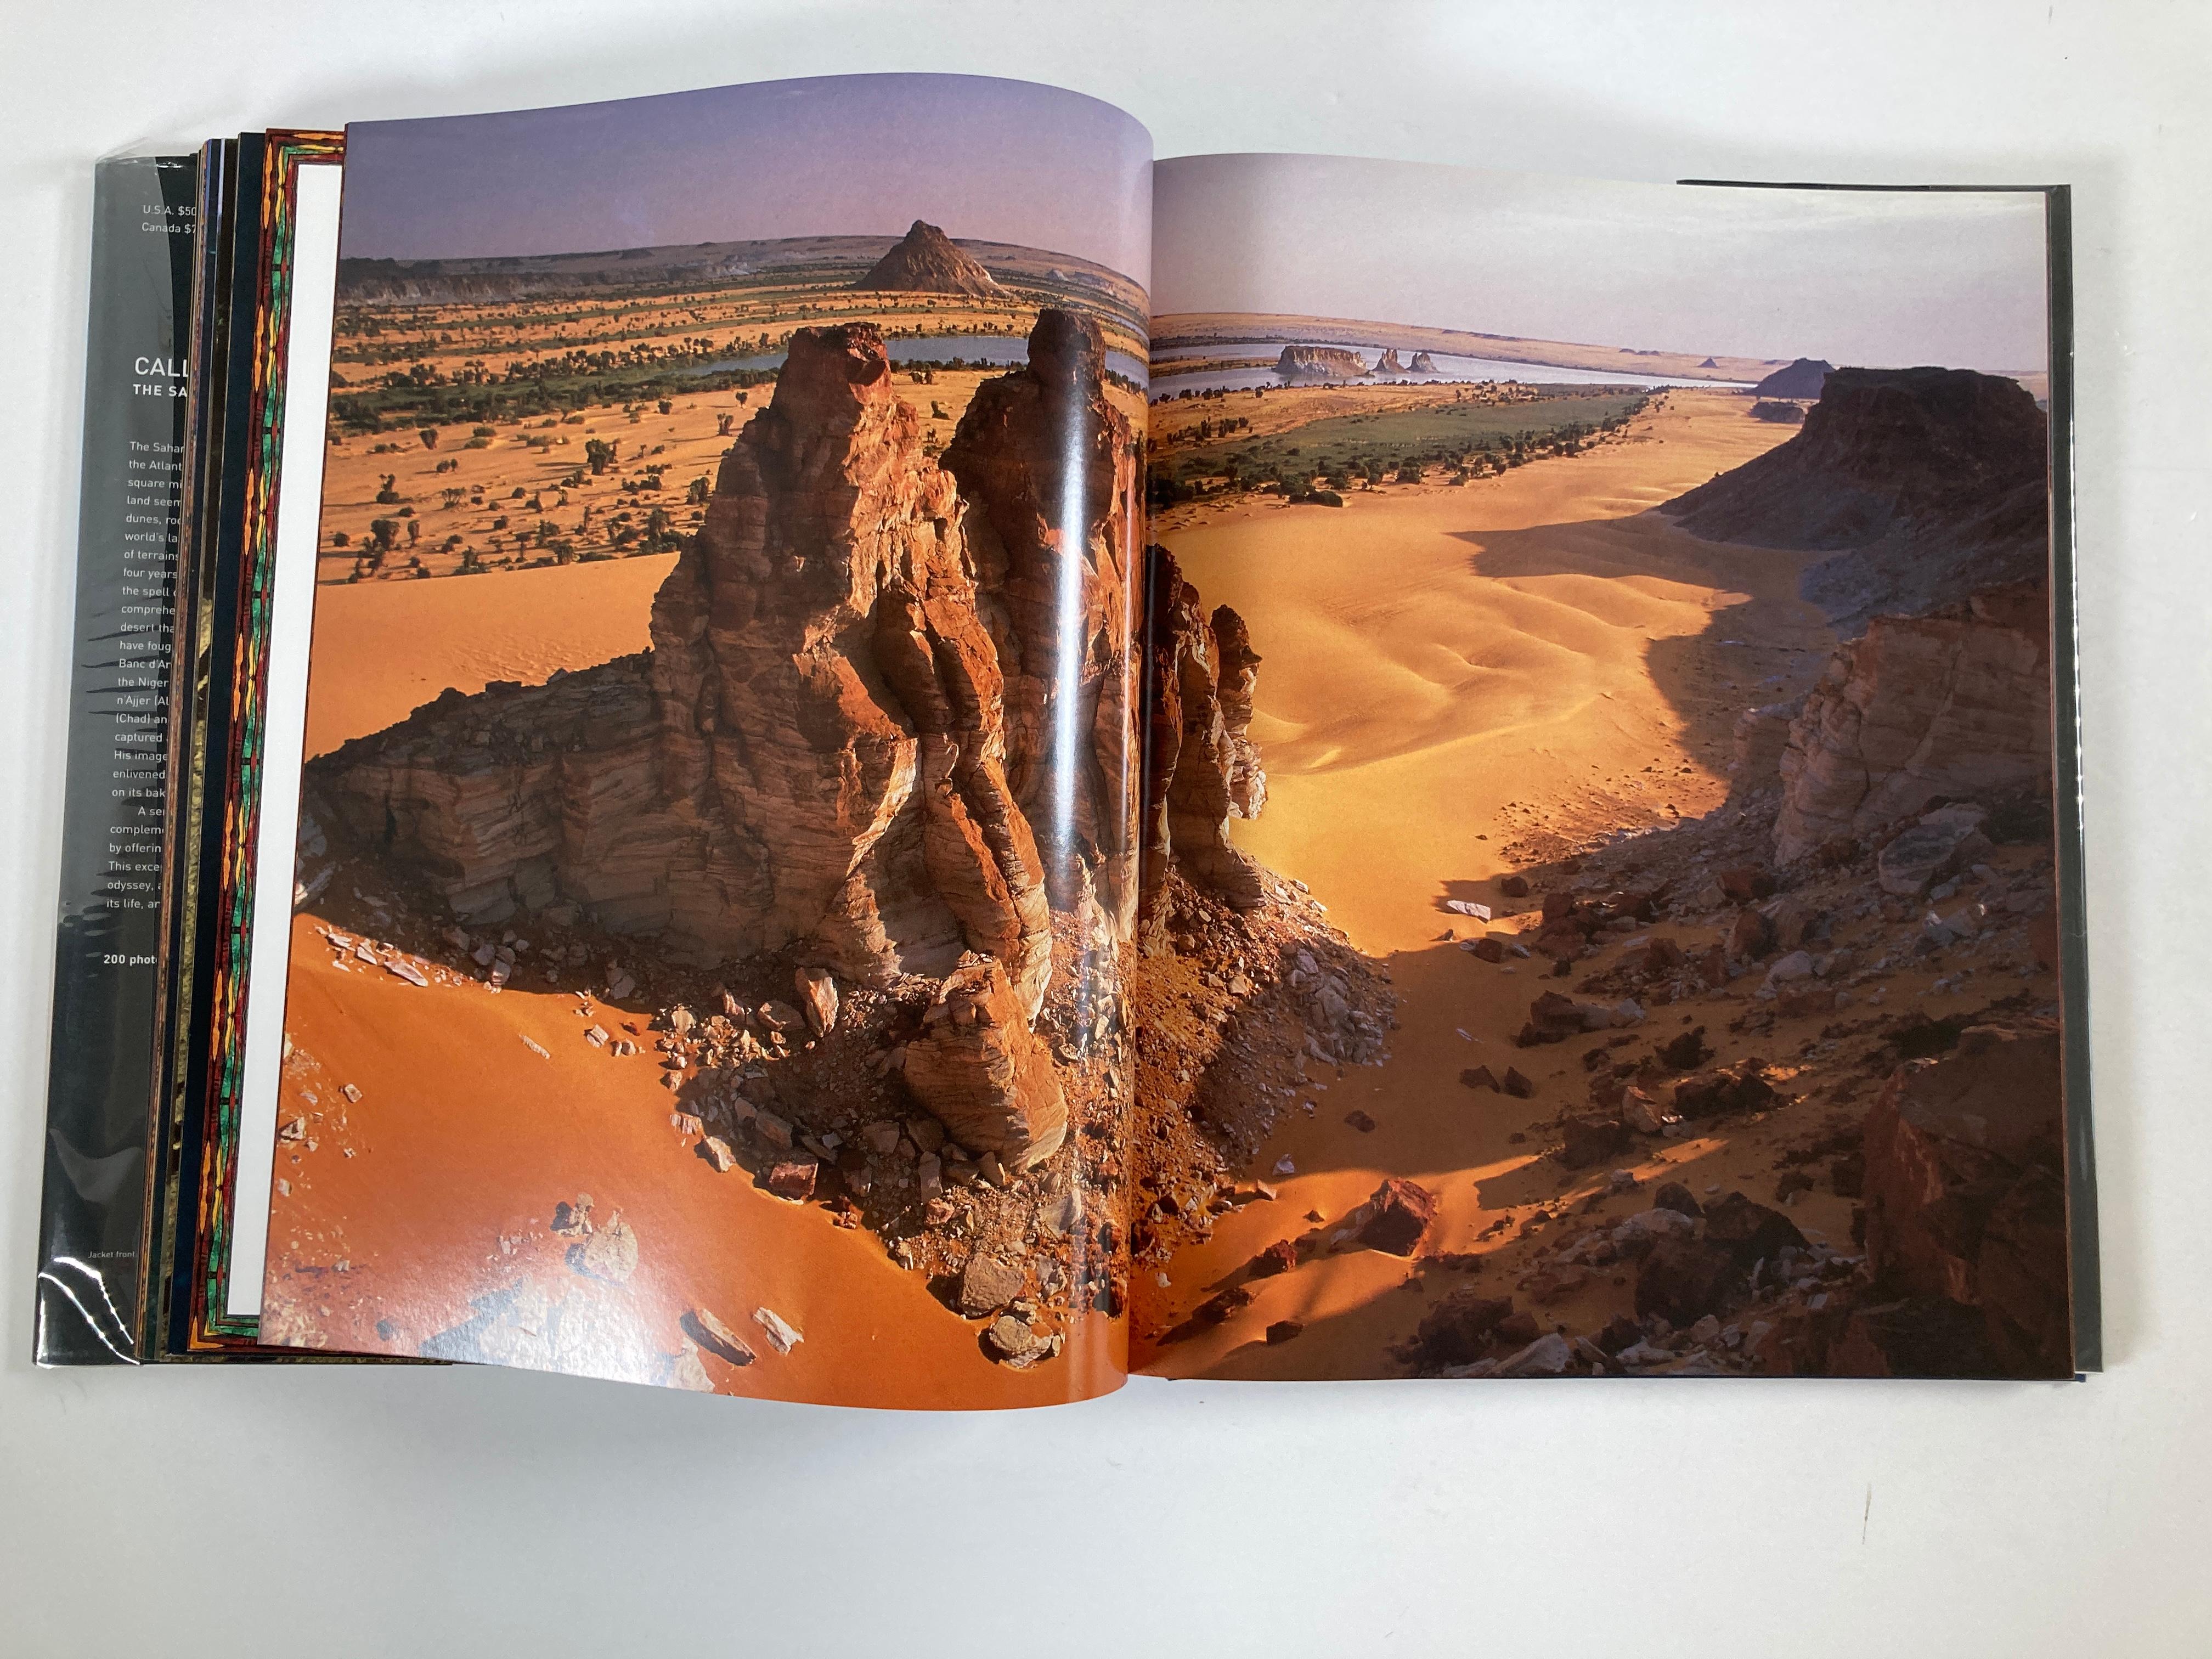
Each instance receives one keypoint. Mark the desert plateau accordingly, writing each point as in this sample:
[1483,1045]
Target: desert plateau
[1633,949]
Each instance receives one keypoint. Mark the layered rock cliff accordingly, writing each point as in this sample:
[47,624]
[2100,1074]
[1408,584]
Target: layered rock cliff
[1048,468]
[833,742]
[871,675]
[1201,766]
[1953,705]
[1928,484]
[1319,362]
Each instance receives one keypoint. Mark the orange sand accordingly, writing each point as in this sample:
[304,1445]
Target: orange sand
[382,649]
[438,1186]
[1446,669]
[1433,653]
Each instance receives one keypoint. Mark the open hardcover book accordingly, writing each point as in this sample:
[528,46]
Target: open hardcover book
[841,740]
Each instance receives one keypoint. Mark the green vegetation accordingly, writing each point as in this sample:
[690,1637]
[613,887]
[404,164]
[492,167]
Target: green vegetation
[1465,440]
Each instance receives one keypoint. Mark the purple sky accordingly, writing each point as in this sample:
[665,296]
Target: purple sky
[1001,160]
[1875,278]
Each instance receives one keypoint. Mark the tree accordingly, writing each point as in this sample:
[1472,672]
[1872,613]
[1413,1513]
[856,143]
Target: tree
[429,435]
[384,532]
[599,455]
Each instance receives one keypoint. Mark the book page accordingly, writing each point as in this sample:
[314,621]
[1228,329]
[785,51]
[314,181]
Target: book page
[716,836]
[1601,901]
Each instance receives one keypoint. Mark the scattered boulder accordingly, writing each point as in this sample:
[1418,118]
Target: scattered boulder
[1398,1216]
[1592,1140]
[1751,936]
[1636,1235]
[1011,1338]
[782,1335]
[982,1072]
[610,1251]
[711,1334]
[1554,1018]
[817,995]
[987,1284]
[1683,1279]
[1458,1330]
[794,1178]
[1747,1230]
[1517,1327]
[1724,1090]
[1621,1332]
[1520,1087]
[1278,1257]
[1932,850]
[1217,1308]
[1746,885]
[1673,1195]
[1549,1355]
[1643,1113]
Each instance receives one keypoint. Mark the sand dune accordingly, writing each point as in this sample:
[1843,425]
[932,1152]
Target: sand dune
[382,649]
[1449,650]
[1449,674]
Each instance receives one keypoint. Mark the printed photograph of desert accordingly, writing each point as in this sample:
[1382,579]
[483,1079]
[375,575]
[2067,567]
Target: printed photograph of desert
[1599,906]
[719,856]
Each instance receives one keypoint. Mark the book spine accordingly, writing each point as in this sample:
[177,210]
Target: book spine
[99,1117]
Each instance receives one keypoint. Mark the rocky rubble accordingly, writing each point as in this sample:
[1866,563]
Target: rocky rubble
[1239,1014]
[1954,1167]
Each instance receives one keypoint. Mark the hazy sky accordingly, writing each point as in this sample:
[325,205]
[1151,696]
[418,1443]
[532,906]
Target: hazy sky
[1874,278]
[1001,160]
